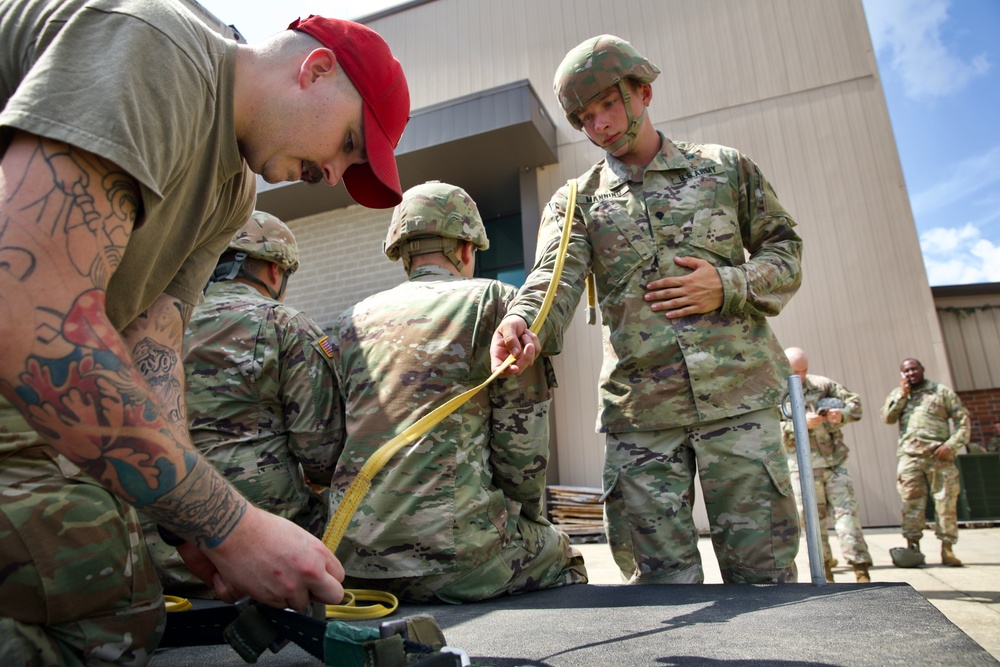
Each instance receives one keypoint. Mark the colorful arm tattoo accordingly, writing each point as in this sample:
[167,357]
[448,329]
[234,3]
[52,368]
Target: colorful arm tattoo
[65,218]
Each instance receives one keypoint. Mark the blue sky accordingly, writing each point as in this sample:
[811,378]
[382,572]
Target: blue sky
[939,65]
[939,62]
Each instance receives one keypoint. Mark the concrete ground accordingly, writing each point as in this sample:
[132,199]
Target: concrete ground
[968,596]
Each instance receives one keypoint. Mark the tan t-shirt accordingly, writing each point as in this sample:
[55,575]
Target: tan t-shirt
[147,86]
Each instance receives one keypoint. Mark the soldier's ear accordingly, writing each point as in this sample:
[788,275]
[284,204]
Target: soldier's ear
[468,252]
[274,274]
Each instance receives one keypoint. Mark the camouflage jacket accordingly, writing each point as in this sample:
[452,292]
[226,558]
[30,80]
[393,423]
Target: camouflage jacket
[262,401]
[450,500]
[708,202]
[923,419]
[826,442]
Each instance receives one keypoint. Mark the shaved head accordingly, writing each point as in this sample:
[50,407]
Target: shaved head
[798,360]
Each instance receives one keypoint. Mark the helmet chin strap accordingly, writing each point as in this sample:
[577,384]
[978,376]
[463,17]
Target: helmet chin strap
[246,275]
[634,122]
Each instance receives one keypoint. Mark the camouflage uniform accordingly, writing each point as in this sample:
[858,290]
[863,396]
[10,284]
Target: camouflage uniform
[701,388]
[262,402]
[831,479]
[456,516]
[923,427]
[56,606]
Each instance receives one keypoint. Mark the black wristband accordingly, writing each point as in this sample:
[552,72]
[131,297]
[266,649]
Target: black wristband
[169,538]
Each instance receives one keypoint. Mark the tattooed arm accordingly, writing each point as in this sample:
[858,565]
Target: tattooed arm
[65,218]
[154,340]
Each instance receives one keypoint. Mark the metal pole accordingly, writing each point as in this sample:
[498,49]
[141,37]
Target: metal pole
[804,458]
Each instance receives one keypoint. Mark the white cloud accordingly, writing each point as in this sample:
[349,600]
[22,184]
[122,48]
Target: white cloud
[911,31]
[959,256]
[944,241]
[975,174]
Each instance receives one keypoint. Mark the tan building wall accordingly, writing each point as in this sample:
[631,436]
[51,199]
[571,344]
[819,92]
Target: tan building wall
[341,261]
[970,321]
[791,83]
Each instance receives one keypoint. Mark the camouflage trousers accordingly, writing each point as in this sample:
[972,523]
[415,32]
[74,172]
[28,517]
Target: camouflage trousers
[77,584]
[834,488]
[913,476]
[649,491]
[538,556]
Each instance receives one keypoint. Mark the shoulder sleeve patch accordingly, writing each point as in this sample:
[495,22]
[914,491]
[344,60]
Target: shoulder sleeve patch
[325,345]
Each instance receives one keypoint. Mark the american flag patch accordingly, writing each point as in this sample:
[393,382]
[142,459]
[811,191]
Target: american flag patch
[326,346]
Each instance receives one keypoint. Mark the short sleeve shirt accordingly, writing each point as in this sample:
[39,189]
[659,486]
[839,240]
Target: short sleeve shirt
[148,87]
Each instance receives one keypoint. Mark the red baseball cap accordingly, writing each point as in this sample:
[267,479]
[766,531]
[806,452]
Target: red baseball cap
[365,58]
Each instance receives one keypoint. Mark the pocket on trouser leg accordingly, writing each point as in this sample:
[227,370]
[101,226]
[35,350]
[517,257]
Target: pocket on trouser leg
[650,528]
[616,525]
[93,578]
[481,583]
[784,515]
[550,561]
[777,563]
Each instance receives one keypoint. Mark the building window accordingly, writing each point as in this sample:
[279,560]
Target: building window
[504,261]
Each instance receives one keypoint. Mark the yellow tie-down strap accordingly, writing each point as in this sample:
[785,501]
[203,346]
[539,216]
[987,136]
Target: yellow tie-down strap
[386,603]
[349,609]
[359,487]
[175,603]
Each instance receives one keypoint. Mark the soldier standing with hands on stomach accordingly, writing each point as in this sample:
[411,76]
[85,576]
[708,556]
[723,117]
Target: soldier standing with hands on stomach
[692,372]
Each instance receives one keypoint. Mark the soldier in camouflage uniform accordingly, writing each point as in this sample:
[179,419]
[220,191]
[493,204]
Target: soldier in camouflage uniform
[692,373]
[262,402]
[933,426]
[831,479]
[457,517]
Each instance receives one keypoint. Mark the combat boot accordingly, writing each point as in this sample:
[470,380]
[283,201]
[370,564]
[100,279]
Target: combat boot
[948,556]
[828,570]
[913,544]
[861,573]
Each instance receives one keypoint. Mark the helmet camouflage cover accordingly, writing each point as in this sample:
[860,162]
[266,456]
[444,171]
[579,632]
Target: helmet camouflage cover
[905,557]
[434,209]
[593,67]
[268,238]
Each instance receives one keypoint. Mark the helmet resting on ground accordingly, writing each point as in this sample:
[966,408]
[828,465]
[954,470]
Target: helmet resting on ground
[906,557]
[434,217]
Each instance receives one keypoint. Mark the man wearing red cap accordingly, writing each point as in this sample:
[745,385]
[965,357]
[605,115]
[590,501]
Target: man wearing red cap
[128,137]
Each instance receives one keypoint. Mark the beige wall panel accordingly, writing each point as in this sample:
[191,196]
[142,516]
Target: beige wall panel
[972,336]
[792,84]
[979,333]
[958,355]
[705,49]
[341,261]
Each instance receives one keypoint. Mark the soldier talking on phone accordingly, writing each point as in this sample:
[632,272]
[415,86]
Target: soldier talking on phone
[933,426]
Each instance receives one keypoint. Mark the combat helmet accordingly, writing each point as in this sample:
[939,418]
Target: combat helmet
[267,238]
[263,237]
[434,217]
[906,557]
[593,67]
